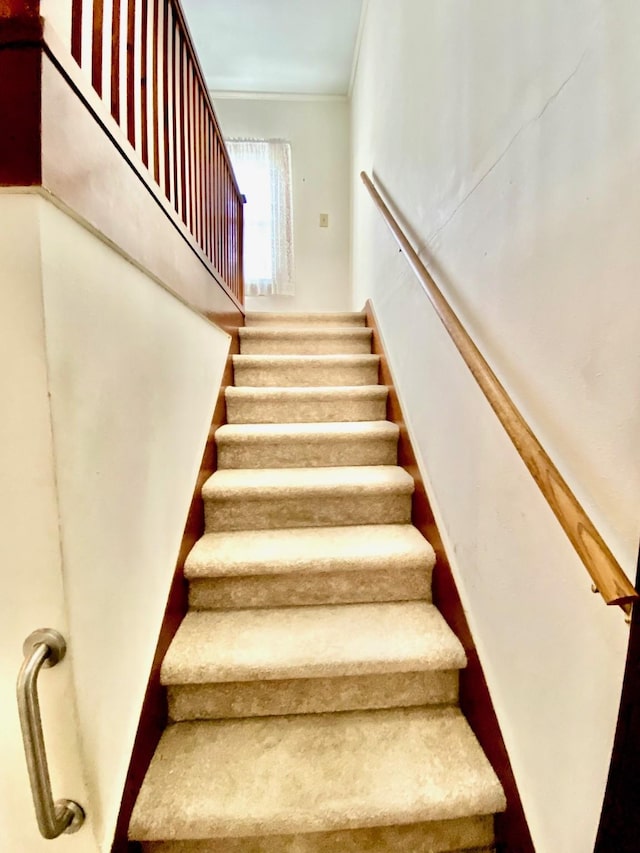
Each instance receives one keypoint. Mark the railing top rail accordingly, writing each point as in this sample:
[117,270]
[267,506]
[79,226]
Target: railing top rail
[608,577]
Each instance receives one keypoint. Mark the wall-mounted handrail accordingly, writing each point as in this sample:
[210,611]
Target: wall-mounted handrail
[42,648]
[607,575]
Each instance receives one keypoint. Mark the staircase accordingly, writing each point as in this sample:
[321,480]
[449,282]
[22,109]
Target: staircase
[312,686]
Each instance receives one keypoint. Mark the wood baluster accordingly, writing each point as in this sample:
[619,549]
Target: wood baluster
[131,52]
[236,255]
[232,232]
[241,251]
[229,229]
[205,178]
[187,129]
[192,152]
[195,227]
[115,60]
[216,185]
[167,60]
[221,249]
[209,171]
[198,171]
[171,26]
[203,170]
[198,150]
[181,129]
[76,30]
[235,240]
[96,45]
[144,64]
[155,111]
[223,216]
[225,219]
[201,173]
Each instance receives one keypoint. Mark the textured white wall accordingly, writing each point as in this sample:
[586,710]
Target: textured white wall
[507,135]
[109,383]
[30,562]
[319,135]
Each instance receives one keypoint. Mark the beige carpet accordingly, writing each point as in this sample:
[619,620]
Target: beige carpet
[312,686]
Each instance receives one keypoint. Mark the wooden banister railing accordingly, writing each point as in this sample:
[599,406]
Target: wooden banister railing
[140,59]
[607,575]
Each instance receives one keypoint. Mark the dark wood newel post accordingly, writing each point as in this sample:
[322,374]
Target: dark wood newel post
[20,93]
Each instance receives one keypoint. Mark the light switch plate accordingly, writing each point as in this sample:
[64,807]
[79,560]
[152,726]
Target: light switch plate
[324,220]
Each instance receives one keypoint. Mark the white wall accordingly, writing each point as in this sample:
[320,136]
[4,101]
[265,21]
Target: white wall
[507,136]
[133,376]
[58,14]
[318,131]
[30,560]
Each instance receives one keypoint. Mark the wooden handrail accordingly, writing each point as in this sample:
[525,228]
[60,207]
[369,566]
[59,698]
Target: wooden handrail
[607,575]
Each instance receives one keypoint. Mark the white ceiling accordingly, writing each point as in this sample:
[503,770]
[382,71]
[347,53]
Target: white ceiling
[275,46]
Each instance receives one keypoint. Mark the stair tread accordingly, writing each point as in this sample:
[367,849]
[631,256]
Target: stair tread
[280,370]
[335,431]
[350,318]
[262,483]
[311,773]
[313,392]
[309,549]
[311,404]
[330,641]
[346,359]
[274,333]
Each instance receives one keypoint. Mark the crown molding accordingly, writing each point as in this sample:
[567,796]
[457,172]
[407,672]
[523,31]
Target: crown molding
[275,96]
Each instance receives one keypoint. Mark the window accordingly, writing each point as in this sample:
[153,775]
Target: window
[263,170]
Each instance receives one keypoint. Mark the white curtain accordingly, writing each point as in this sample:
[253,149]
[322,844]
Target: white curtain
[263,171]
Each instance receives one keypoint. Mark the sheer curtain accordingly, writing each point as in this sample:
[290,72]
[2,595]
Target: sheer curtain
[263,170]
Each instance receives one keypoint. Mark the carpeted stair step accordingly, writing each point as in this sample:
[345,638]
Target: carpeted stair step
[264,340]
[300,371]
[243,663]
[309,565]
[315,773]
[441,836]
[306,405]
[306,445]
[291,320]
[257,499]
[311,686]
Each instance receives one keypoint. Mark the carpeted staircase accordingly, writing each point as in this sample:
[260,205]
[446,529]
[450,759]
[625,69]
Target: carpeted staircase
[312,686]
